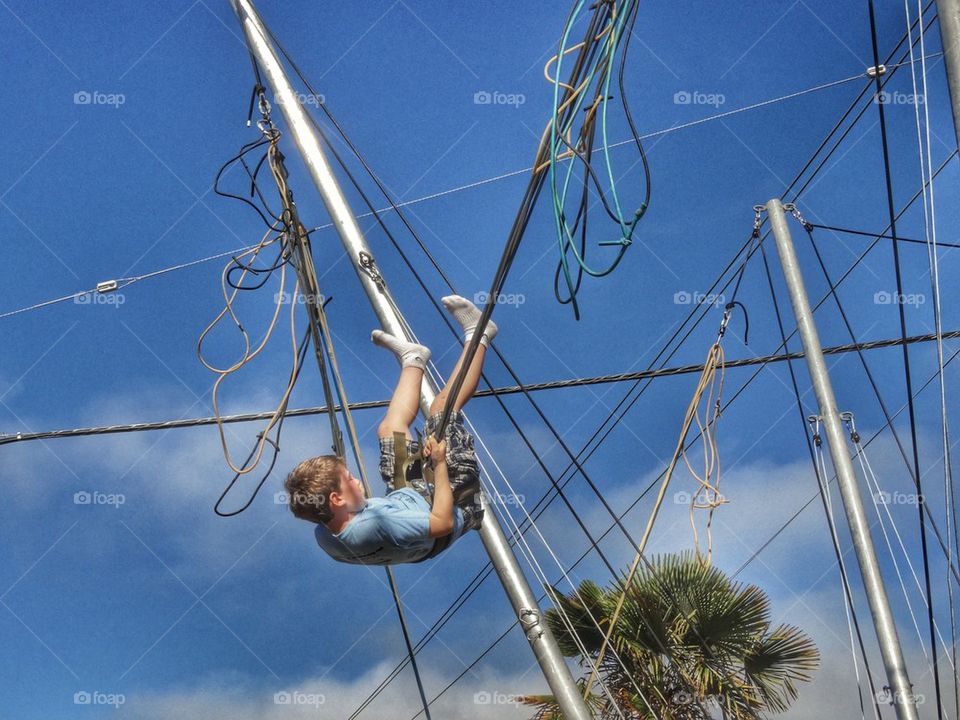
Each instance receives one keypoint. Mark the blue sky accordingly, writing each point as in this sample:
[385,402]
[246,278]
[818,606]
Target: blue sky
[176,610]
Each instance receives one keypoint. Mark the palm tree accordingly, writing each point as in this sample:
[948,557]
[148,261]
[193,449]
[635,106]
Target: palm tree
[689,644]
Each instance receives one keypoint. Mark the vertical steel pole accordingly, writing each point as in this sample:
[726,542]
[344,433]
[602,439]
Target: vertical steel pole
[900,688]
[948,13]
[515,584]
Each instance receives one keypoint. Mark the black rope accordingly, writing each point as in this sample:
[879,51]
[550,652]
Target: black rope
[490,392]
[593,543]
[823,490]
[881,235]
[822,145]
[873,384]
[842,278]
[673,337]
[488,570]
[730,265]
[416,274]
[558,488]
[275,222]
[283,257]
[911,412]
[863,361]
[582,149]
[652,484]
[302,259]
[950,566]
[521,388]
[519,226]
[326,359]
[891,71]
[274,442]
[402,215]
[693,312]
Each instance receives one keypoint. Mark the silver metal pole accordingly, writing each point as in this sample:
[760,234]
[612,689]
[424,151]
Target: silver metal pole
[515,584]
[900,688]
[948,13]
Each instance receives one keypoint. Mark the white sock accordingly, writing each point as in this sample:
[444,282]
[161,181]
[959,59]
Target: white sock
[468,315]
[410,354]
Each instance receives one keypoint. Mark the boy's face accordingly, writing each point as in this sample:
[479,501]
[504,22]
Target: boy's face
[351,494]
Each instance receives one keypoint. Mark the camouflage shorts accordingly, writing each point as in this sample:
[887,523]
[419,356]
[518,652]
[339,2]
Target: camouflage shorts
[462,468]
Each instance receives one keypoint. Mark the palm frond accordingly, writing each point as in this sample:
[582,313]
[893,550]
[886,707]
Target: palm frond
[688,643]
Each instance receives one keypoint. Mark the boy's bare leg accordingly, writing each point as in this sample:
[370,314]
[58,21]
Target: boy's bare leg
[406,397]
[470,381]
[468,315]
[404,404]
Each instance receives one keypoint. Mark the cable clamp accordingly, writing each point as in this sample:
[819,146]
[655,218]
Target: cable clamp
[107,286]
[876,71]
[258,91]
[725,320]
[265,123]
[814,421]
[269,130]
[848,420]
[530,622]
[727,314]
[795,211]
[757,220]
[369,266]
[263,105]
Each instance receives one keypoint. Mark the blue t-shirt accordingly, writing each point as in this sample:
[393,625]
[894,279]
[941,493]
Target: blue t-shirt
[387,531]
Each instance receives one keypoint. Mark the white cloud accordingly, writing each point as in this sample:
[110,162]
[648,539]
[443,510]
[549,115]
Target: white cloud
[176,477]
[480,695]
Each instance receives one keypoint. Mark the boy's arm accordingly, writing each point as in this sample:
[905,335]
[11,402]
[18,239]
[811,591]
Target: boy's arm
[441,516]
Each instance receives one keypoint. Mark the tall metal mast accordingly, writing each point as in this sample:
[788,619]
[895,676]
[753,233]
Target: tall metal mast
[900,688]
[948,13]
[515,584]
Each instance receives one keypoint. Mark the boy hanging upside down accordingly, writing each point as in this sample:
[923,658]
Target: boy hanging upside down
[418,518]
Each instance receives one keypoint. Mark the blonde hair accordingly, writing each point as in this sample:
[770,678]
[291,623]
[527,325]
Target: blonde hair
[310,484]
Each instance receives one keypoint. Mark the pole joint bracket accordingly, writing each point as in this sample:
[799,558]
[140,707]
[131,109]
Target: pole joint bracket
[530,622]
[369,267]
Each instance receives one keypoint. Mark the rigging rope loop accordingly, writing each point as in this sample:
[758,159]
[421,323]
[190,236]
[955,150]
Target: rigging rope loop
[610,27]
[369,267]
